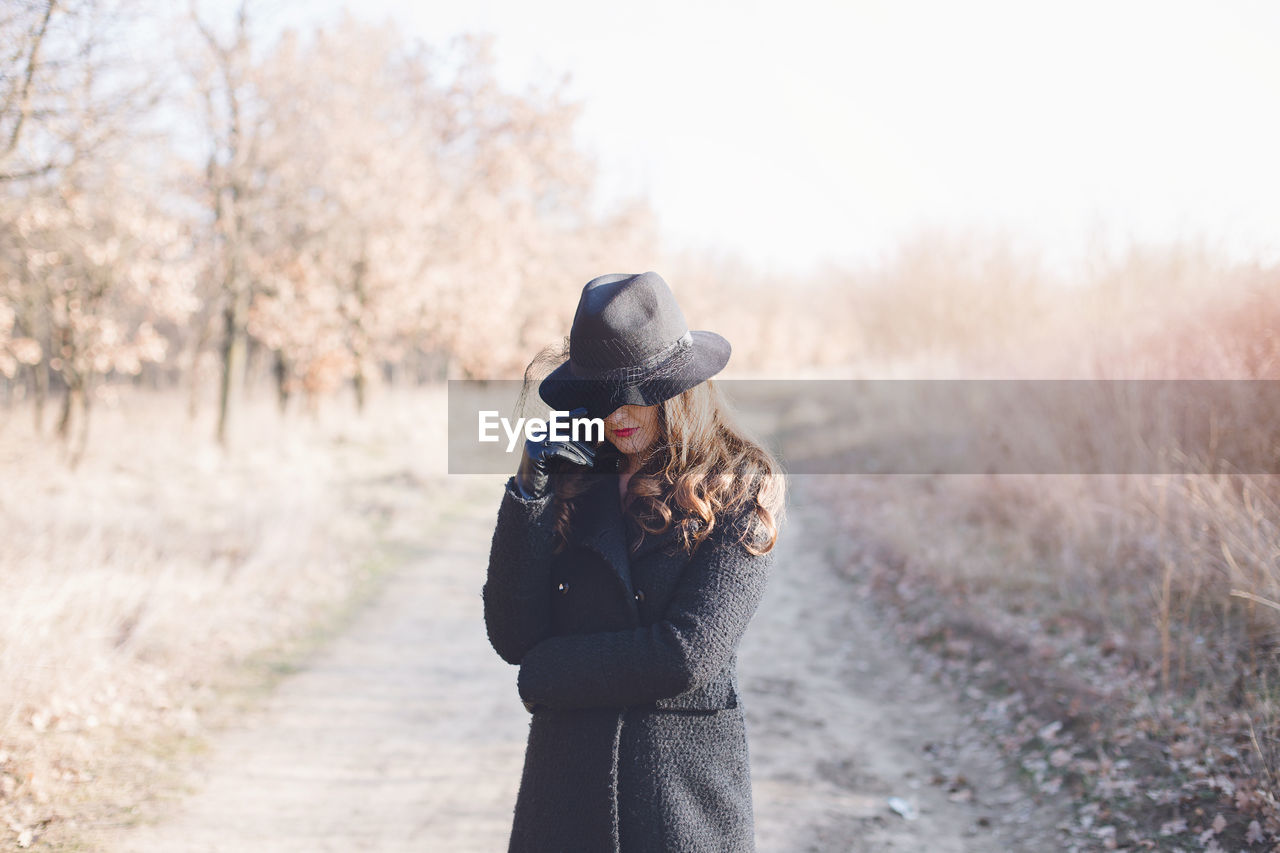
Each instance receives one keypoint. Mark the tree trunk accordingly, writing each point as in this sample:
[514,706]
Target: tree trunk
[39,391]
[356,331]
[281,370]
[69,400]
[193,392]
[233,357]
[85,401]
[359,382]
[252,355]
[195,377]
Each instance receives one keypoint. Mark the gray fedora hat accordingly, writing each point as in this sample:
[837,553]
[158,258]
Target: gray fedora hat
[630,345]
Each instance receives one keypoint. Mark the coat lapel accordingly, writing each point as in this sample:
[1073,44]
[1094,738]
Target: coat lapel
[603,528]
[607,531]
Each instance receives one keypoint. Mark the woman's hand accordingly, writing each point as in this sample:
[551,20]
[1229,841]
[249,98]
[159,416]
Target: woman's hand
[533,475]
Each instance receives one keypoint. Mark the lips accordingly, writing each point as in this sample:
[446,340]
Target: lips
[623,433]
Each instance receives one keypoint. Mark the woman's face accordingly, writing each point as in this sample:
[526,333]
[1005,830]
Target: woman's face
[632,429]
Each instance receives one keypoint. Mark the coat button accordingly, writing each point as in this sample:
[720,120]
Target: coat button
[563,587]
[639,595]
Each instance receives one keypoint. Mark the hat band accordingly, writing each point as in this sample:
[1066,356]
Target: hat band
[676,355]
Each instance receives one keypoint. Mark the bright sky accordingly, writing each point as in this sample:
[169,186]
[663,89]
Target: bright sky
[801,131]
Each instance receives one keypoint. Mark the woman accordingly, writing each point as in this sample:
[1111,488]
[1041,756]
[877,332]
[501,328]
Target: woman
[621,577]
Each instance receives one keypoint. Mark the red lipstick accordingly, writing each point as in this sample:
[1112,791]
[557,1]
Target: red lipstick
[623,433]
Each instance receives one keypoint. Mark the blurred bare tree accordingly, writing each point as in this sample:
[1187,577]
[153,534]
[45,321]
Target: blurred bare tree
[71,97]
[65,83]
[372,200]
[225,77]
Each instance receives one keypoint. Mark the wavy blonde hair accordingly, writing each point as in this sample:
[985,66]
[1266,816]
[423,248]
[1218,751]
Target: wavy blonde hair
[701,468]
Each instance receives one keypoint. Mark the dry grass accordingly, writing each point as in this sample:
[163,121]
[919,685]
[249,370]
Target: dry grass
[1098,609]
[1156,590]
[140,584]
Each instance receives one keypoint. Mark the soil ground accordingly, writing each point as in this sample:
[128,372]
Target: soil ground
[405,732]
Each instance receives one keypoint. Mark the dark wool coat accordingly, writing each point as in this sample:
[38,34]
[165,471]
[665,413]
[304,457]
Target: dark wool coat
[636,739]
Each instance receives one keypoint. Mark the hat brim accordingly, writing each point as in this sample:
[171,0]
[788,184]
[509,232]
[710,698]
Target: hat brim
[563,391]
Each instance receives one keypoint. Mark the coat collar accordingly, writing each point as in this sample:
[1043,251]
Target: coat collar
[605,529]
[602,527]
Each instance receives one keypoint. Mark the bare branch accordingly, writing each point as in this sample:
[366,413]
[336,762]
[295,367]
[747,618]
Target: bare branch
[24,91]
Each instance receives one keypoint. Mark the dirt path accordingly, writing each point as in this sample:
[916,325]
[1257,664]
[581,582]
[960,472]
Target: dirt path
[839,721]
[405,734]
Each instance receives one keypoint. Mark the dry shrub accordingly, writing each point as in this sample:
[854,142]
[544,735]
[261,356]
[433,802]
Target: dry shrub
[1179,572]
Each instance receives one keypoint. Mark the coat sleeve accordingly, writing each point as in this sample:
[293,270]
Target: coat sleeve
[718,593]
[516,593]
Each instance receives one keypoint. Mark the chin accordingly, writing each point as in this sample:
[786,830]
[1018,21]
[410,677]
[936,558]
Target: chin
[633,448]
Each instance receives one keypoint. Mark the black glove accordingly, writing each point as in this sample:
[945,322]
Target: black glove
[533,475]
